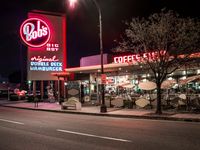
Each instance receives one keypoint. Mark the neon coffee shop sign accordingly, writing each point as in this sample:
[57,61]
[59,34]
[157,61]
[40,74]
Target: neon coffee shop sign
[35,32]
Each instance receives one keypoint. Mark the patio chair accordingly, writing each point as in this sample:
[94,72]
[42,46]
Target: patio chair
[117,102]
[108,100]
[179,102]
[142,102]
[195,104]
[72,103]
[174,102]
[153,100]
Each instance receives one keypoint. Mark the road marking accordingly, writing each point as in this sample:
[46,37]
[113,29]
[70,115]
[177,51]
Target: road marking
[91,135]
[10,121]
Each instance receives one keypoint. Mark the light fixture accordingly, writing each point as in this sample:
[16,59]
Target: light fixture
[72,3]
[198,71]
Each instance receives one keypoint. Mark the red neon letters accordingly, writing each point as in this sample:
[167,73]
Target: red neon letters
[138,57]
[35,32]
[44,59]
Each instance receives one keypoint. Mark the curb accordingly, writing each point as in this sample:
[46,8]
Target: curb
[113,115]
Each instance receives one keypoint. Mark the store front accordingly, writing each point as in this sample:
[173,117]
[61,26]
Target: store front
[123,82]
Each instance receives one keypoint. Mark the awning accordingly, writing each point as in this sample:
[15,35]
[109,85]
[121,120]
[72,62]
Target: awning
[61,74]
[97,68]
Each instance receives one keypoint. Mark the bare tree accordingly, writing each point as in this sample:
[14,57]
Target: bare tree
[169,37]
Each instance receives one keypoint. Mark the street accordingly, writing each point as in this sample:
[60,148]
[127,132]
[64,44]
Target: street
[39,130]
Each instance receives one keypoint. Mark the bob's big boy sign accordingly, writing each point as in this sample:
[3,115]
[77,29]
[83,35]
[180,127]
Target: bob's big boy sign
[45,35]
[35,32]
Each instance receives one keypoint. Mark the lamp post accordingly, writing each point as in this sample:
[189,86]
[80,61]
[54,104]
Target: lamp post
[103,106]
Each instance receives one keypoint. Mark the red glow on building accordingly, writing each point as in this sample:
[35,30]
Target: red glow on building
[35,32]
[64,42]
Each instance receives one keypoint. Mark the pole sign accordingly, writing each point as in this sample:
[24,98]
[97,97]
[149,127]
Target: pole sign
[45,35]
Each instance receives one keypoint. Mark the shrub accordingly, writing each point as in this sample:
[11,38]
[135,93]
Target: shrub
[14,97]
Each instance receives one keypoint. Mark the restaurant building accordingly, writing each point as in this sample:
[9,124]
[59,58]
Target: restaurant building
[44,33]
[124,75]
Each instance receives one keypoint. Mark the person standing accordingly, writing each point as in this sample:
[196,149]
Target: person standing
[36,100]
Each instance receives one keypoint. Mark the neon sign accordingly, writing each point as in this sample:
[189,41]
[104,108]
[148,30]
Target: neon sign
[35,32]
[138,57]
[44,33]
[44,58]
[52,47]
[46,63]
[39,63]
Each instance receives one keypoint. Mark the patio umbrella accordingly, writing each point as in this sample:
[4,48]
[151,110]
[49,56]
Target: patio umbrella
[182,96]
[148,85]
[167,84]
[189,79]
[122,84]
[129,86]
[3,86]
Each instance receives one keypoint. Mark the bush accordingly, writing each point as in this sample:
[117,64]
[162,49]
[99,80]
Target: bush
[30,98]
[14,97]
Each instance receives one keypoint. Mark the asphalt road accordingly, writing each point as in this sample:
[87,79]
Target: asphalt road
[38,130]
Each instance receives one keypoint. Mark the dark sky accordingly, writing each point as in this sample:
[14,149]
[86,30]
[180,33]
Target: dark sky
[82,25]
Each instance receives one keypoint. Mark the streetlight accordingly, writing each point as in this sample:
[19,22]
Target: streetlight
[72,3]
[103,106]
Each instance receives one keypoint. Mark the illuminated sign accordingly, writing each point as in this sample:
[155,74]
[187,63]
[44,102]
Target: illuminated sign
[45,35]
[151,56]
[44,59]
[138,57]
[45,64]
[35,32]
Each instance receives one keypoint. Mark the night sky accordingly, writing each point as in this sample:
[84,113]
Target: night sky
[82,25]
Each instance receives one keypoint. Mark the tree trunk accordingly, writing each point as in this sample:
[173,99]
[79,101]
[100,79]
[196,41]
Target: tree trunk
[158,109]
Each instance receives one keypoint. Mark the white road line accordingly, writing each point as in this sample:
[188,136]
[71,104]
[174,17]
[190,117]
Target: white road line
[10,121]
[91,135]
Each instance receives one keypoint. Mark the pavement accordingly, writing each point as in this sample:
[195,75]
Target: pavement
[111,112]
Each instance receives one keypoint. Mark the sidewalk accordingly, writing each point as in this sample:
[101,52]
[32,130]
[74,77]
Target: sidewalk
[111,112]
